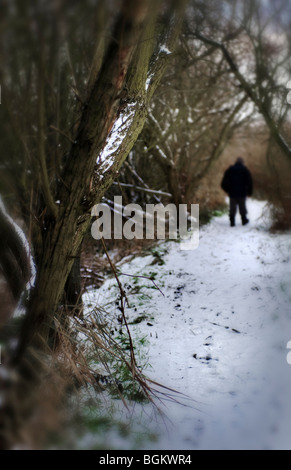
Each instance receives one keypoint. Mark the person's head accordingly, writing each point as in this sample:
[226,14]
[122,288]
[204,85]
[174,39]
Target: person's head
[240,160]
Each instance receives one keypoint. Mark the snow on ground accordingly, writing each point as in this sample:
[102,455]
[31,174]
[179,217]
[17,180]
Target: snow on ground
[219,334]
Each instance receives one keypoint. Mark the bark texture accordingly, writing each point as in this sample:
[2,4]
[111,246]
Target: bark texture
[120,84]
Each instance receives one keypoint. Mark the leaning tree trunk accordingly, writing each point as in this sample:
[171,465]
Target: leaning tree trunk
[60,244]
[120,85]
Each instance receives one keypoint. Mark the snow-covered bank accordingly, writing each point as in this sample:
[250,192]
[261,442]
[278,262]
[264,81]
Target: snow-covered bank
[218,334]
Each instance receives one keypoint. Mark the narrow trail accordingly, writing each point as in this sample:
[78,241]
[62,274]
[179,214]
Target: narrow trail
[219,335]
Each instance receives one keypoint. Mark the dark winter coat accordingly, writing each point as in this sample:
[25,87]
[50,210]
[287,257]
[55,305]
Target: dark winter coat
[237,181]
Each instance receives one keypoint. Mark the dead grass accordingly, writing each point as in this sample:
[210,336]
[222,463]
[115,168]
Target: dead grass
[44,397]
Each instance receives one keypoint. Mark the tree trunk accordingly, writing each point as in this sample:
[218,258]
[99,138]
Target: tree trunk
[84,181]
[73,289]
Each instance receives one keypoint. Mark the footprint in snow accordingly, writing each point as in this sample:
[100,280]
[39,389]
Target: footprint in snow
[204,359]
[208,341]
[178,292]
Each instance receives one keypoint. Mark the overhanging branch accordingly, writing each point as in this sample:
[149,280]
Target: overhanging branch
[247,87]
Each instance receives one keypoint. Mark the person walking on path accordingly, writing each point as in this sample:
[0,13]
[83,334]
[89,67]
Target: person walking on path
[237,183]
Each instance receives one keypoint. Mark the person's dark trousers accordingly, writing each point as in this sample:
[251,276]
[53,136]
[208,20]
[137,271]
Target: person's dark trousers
[239,202]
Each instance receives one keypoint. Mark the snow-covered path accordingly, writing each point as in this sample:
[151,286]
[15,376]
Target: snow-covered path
[219,335]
